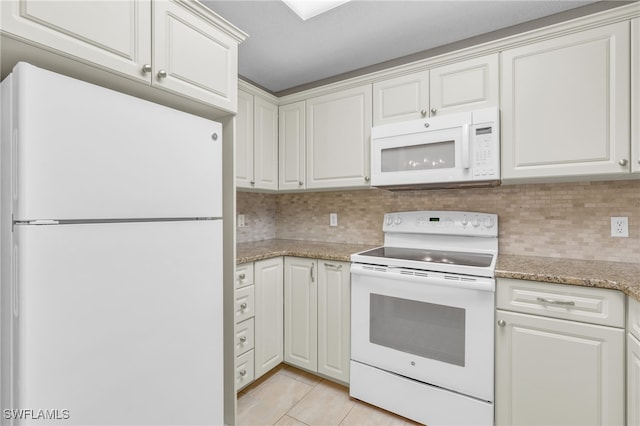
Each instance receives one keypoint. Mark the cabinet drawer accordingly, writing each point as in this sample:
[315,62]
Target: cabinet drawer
[576,303]
[244,339]
[244,303]
[633,324]
[244,275]
[244,370]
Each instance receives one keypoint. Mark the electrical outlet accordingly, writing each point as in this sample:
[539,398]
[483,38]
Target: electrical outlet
[620,226]
[241,223]
[333,219]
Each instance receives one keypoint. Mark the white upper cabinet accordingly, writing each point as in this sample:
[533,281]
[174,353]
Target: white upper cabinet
[265,136]
[291,143]
[244,141]
[565,105]
[401,98]
[191,56]
[339,138]
[465,85]
[460,86]
[112,34]
[256,142]
[178,46]
[635,95]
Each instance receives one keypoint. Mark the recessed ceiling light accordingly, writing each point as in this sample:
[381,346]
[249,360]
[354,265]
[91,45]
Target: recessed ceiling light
[307,9]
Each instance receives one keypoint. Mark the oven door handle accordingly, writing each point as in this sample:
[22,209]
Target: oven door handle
[431,278]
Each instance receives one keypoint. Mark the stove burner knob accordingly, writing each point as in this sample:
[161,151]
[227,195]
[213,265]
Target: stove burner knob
[475,222]
[389,220]
[489,222]
[465,220]
[398,220]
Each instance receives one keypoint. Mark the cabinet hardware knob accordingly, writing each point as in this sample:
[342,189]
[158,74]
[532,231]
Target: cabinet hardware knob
[242,276]
[367,179]
[253,182]
[501,323]
[243,306]
[556,302]
[162,74]
[623,162]
[426,125]
[214,136]
[243,339]
[243,373]
[300,183]
[146,68]
[423,113]
[433,111]
[311,272]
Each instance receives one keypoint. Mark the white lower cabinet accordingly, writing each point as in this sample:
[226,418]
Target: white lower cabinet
[552,371]
[259,313]
[244,339]
[268,316]
[633,363]
[317,316]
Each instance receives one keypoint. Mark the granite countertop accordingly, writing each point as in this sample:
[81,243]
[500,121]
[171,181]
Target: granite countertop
[612,275]
[258,250]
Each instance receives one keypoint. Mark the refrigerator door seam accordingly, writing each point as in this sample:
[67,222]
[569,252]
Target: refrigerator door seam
[47,222]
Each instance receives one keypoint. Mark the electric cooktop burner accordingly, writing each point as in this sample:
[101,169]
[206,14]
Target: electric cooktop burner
[433,256]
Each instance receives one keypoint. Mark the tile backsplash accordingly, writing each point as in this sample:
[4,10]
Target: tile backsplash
[569,220]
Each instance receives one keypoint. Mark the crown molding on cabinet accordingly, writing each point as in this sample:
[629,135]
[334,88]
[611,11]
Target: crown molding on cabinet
[205,13]
[583,23]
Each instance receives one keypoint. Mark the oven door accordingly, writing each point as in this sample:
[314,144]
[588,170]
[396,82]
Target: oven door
[433,328]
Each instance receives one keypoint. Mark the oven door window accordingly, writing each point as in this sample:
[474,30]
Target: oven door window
[424,329]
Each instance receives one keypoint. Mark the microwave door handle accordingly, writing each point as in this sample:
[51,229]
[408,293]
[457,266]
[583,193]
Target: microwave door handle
[465,146]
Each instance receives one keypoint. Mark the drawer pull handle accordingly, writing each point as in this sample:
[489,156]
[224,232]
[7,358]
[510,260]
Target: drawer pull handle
[556,302]
[243,373]
[243,339]
[243,306]
[242,276]
[331,265]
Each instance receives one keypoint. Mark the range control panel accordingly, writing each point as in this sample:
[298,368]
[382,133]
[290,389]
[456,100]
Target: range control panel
[442,222]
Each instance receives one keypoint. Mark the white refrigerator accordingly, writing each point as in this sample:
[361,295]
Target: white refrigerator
[111,258]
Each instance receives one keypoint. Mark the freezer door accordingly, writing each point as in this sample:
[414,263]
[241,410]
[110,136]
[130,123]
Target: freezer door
[85,152]
[119,324]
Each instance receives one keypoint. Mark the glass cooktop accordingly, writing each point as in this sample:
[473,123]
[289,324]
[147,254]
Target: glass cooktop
[433,256]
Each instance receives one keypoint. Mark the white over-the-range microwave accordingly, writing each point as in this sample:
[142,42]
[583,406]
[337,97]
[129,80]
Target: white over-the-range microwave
[454,150]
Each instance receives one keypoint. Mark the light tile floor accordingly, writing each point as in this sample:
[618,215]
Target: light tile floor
[289,396]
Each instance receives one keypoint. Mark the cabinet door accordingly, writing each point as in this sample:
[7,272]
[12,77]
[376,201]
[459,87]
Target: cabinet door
[401,98]
[565,105]
[635,95]
[265,133]
[338,139]
[111,34]
[291,141]
[334,319]
[192,57]
[300,313]
[244,141]
[633,380]
[557,372]
[464,86]
[268,317]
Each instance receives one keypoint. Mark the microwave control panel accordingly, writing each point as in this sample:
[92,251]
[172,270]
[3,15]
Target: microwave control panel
[485,151]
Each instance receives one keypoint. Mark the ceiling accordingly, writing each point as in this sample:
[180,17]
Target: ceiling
[283,53]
